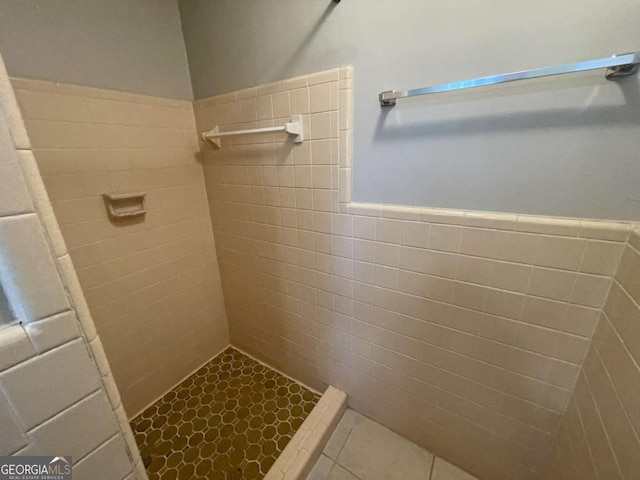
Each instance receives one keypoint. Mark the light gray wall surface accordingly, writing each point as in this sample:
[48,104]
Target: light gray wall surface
[130,45]
[567,146]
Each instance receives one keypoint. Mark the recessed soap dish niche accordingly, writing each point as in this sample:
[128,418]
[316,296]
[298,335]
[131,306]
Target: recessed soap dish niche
[123,206]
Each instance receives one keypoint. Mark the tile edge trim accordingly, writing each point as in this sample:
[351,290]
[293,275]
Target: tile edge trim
[300,454]
[614,230]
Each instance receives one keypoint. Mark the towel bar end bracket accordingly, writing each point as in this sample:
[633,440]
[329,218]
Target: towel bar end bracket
[385,101]
[613,73]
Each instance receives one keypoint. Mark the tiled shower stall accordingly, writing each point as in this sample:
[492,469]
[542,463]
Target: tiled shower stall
[465,332]
[507,344]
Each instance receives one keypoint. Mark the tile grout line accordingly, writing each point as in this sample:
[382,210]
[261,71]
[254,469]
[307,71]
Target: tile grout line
[241,350]
[178,383]
[344,443]
[433,465]
[340,451]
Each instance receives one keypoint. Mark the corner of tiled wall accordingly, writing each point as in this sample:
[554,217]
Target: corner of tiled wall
[152,284]
[57,394]
[345,116]
[464,331]
[600,432]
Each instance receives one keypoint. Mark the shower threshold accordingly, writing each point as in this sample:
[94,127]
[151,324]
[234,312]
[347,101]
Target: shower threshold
[230,420]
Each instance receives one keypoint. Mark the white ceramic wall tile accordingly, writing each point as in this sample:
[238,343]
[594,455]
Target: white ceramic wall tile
[590,290]
[14,197]
[324,76]
[560,252]
[127,433]
[29,450]
[626,274]
[14,346]
[79,429]
[99,356]
[599,230]
[72,283]
[12,438]
[112,390]
[31,281]
[11,112]
[321,97]
[53,331]
[44,385]
[549,226]
[41,201]
[601,258]
[446,238]
[109,461]
[445,471]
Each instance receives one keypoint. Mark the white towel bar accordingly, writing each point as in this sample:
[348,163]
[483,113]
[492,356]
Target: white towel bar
[294,128]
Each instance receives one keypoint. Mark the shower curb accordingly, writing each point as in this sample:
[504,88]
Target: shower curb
[301,453]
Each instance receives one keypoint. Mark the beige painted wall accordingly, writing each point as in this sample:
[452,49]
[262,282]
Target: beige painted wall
[153,287]
[600,434]
[463,331]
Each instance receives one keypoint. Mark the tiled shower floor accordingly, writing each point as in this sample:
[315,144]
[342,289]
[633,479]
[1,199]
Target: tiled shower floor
[228,421]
